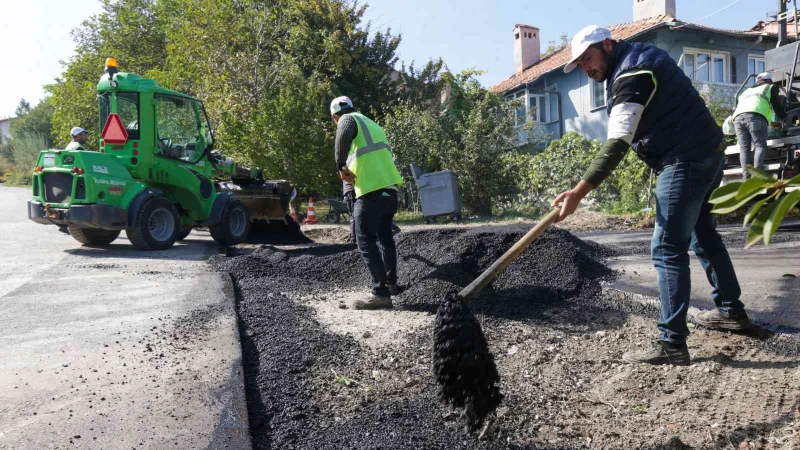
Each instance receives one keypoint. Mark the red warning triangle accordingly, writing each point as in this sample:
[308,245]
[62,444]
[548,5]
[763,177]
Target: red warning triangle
[114,132]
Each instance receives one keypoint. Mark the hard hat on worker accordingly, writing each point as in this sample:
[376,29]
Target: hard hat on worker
[583,40]
[76,131]
[766,76]
[340,103]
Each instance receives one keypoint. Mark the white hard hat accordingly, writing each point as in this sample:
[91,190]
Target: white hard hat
[766,76]
[76,131]
[585,38]
[340,103]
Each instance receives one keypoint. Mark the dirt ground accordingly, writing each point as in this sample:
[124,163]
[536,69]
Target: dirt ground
[321,375]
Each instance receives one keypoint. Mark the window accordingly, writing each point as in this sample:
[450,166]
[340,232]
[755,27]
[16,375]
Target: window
[706,66]
[598,92]
[181,128]
[127,108]
[755,66]
[537,108]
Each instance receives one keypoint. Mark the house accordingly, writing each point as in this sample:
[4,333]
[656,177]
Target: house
[717,60]
[5,132]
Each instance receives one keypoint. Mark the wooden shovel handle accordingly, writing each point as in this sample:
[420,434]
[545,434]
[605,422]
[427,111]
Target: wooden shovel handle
[508,257]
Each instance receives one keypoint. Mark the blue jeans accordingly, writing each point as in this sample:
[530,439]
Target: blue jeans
[373,214]
[684,221]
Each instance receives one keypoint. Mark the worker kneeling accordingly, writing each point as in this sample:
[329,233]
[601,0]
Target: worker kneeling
[364,159]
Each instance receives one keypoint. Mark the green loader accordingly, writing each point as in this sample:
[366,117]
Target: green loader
[155,175]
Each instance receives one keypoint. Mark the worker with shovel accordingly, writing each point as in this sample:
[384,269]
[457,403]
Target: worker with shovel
[654,109]
[364,160]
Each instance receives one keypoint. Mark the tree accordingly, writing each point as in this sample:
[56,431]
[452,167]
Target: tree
[37,121]
[553,47]
[24,107]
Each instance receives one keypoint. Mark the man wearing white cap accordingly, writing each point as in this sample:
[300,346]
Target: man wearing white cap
[364,160]
[79,136]
[755,108]
[654,109]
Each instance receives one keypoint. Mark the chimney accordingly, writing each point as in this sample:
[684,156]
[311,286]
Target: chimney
[527,51]
[642,9]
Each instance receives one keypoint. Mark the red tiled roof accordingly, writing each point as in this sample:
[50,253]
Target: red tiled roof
[771,27]
[523,25]
[621,31]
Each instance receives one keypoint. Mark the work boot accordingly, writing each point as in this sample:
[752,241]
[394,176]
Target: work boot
[395,289]
[713,319]
[64,229]
[661,353]
[372,301]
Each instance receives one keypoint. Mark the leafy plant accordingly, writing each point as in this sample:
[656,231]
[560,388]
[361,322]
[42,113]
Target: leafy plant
[763,220]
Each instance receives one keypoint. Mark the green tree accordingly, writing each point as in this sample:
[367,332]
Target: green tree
[554,46]
[24,107]
[36,121]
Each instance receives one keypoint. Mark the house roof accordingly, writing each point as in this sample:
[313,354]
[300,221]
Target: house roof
[621,31]
[771,27]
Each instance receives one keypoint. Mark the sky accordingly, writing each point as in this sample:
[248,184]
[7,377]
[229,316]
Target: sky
[35,34]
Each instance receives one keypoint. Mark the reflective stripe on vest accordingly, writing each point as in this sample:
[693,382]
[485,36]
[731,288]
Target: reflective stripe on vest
[641,72]
[756,100]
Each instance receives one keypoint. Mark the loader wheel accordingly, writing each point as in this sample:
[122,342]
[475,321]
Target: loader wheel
[184,233]
[90,236]
[155,226]
[234,225]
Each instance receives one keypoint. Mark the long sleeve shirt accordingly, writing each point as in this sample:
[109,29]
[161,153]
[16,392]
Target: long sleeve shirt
[346,131]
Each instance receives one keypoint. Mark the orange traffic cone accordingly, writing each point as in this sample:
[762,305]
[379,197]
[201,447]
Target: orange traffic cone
[311,215]
[293,213]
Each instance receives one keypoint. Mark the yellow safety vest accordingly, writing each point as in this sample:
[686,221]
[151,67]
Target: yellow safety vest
[370,158]
[756,100]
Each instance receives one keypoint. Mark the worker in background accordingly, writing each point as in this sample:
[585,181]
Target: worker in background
[79,137]
[364,159]
[755,108]
[654,109]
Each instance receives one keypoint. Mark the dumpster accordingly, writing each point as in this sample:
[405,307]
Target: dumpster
[438,194]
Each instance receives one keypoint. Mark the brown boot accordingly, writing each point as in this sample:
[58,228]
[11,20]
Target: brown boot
[661,353]
[372,301]
[713,319]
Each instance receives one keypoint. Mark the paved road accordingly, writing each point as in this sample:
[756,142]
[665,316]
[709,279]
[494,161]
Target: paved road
[769,276]
[114,348]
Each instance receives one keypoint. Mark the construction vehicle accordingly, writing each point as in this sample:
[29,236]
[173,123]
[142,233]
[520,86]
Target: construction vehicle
[155,175]
[782,157]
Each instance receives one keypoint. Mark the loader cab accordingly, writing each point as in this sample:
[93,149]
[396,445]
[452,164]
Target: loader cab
[181,128]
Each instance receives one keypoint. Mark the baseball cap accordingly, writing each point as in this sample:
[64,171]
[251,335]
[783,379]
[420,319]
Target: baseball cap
[581,41]
[340,103]
[766,76]
[76,131]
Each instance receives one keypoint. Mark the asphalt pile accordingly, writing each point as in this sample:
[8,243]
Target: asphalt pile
[296,370]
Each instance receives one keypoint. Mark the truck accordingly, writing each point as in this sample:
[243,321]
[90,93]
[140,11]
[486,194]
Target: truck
[782,157]
[156,175]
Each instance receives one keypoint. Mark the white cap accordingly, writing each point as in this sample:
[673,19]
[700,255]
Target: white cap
[585,38]
[340,103]
[76,131]
[766,76]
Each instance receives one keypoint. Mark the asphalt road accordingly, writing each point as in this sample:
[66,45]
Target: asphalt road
[114,348]
[769,276]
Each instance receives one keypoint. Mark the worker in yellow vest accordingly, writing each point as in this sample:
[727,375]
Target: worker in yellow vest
[364,159]
[755,109]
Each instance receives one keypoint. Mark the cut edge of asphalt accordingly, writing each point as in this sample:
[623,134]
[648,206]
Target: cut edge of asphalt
[232,430]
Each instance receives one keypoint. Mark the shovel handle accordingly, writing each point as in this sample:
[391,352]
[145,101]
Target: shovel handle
[509,256]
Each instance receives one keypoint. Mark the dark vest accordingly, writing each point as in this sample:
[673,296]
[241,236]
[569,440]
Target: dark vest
[676,126]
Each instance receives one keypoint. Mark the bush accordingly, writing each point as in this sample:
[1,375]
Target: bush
[25,150]
[560,167]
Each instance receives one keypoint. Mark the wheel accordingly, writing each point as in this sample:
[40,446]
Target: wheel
[184,232]
[155,226]
[234,225]
[90,236]
[456,217]
[333,217]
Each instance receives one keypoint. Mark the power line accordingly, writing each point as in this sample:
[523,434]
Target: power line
[696,22]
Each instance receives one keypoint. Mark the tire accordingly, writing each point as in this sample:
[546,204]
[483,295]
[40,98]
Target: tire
[333,218]
[90,236]
[155,226]
[234,225]
[184,233]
